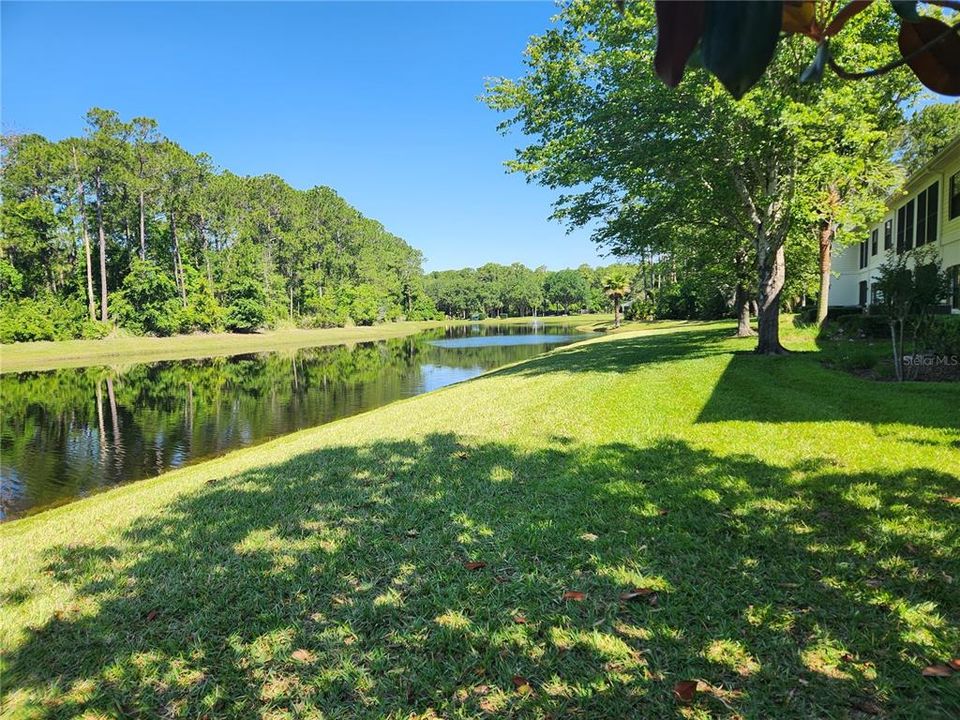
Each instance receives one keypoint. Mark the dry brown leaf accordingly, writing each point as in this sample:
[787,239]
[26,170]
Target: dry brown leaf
[302,655]
[635,594]
[955,663]
[937,671]
[574,595]
[952,500]
[589,537]
[152,615]
[685,690]
[519,620]
[475,565]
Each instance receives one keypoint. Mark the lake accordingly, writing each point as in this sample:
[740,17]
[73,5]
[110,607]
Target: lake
[69,433]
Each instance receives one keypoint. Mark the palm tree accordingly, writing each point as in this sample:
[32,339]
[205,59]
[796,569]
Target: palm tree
[616,286]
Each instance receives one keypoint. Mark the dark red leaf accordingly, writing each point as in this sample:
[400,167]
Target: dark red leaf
[152,615]
[574,595]
[937,67]
[475,565]
[679,27]
[937,671]
[685,690]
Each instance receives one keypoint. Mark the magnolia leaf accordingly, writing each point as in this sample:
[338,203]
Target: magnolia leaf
[938,67]
[636,593]
[475,565]
[814,71]
[739,39]
[907,9]
[574,595]
[937,671]
[799,16]
[679,26]
[847,12]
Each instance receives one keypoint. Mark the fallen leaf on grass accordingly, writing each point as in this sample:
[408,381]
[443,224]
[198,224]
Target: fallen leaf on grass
[522,684]
[152,615]
[519,620]
[955,663]
[951,499]
[937,671]
[663,511]
[413,533]
[636,593]
[685,690]
[574,595]
[302,655]
[475,565]
[589,537]
[873,583]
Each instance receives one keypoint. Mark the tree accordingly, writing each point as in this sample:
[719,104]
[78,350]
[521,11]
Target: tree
[616,286]
[908,286]
[656,164]
[928,132]
[565,288]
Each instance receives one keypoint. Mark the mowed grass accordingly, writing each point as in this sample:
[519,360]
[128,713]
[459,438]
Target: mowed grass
[129,349]
[794,522]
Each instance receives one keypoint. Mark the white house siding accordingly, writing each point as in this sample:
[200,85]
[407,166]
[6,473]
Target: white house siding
[847,274]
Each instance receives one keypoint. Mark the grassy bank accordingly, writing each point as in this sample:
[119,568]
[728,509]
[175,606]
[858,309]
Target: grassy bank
[133,349]
[789,527]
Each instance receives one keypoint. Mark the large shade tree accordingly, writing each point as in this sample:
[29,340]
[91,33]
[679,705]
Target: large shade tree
[650,162]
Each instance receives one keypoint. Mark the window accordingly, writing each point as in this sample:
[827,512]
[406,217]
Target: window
[955,196]
[908,227]
[921,218]
[874,295]
[888,235]
[954,274]
[901,227]
[933,211]
[874,241]
[863,293]
[863,254]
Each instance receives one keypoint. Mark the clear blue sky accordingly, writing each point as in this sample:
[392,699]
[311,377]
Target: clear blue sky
[377,100]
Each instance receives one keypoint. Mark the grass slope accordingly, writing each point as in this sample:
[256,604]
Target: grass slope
[791,520]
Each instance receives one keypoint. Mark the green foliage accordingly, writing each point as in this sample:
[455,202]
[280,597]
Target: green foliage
[154,202]
[43,318]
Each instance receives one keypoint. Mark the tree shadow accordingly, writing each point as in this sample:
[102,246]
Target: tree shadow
[790,389]
[334,584]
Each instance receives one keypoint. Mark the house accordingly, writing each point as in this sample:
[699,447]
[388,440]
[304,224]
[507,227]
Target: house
[928,214]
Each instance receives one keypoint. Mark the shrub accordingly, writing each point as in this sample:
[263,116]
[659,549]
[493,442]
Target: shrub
[148,301]
[43,318]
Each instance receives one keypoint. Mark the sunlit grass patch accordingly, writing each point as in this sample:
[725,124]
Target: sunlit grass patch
[412,562]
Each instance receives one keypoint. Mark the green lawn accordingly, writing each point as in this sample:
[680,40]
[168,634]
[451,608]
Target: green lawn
[794,523]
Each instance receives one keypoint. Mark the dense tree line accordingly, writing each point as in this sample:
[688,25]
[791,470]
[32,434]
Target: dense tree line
[494,290]
[123,227]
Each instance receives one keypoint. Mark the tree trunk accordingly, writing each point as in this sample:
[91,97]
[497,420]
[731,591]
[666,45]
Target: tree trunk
[178,260]
[770,260]
[104,314]
[91,307]
[616,312]
[742,303]
[143,230]
[826,260]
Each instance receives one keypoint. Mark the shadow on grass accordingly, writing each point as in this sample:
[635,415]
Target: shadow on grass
[333,585]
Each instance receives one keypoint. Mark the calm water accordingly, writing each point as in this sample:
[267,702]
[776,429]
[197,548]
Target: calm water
[69,433]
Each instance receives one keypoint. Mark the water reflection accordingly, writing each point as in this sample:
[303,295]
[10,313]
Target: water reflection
[68,433]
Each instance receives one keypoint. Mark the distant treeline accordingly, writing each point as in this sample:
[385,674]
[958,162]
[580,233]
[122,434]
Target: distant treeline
[515,290]
[122,227]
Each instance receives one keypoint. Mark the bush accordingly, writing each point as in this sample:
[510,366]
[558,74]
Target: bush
[43,318]
[148,301]
[941,335]
[860,325]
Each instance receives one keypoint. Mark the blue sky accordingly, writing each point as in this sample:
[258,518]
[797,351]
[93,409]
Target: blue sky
[377,100]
